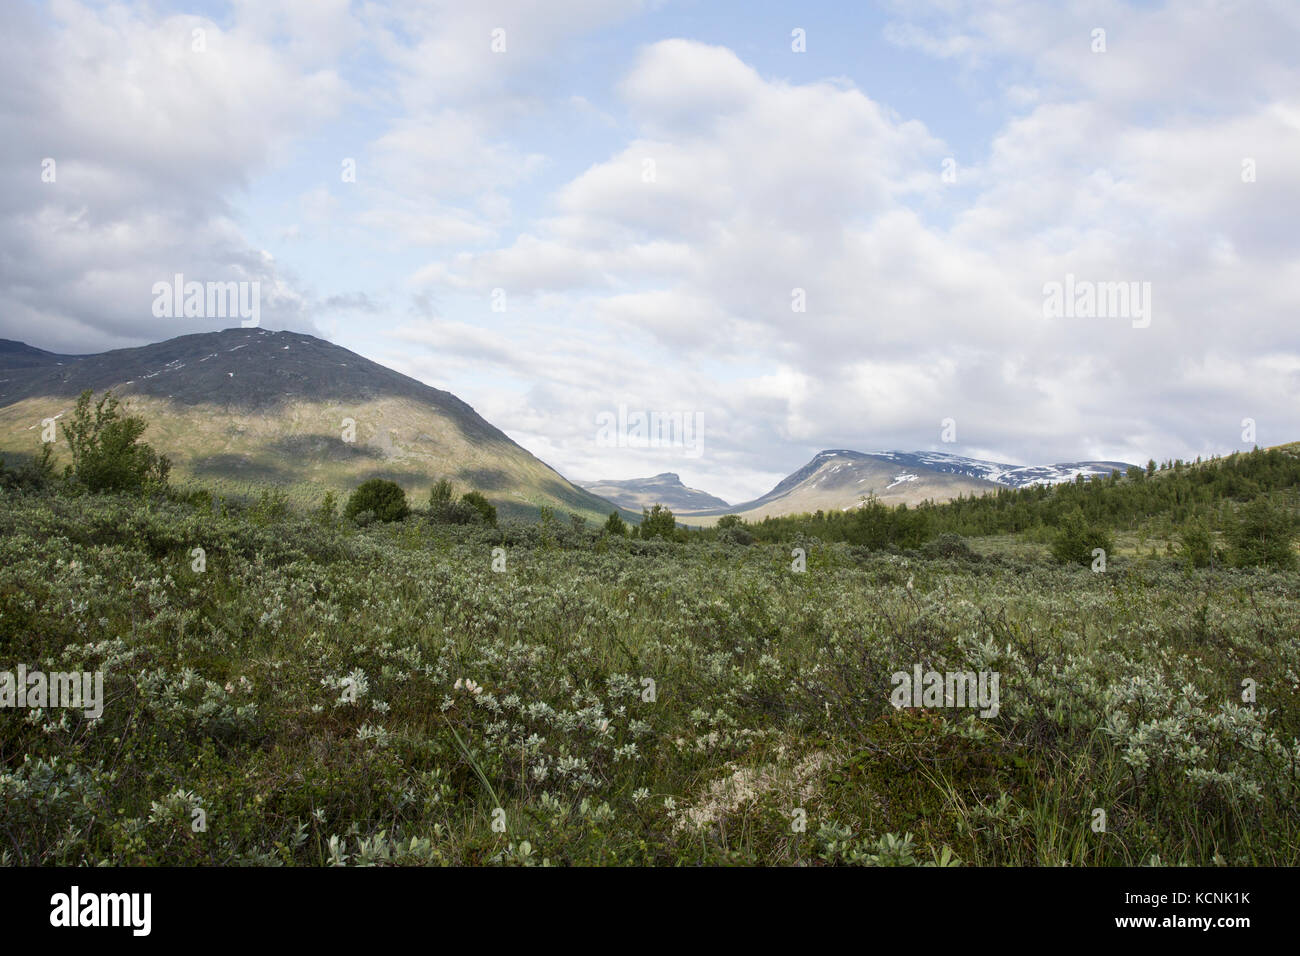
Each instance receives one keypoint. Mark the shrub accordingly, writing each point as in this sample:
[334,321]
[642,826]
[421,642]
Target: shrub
[272,505]
[1076,540]
[948,545]
[107,454]
[1261,536]
[616,525]
[328,508]
[735,535]
[486,509]
[1196,544]
[383,497]
[35,474]
[440,494]
[658,522]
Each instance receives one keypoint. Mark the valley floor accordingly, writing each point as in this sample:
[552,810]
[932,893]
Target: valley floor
[313,693]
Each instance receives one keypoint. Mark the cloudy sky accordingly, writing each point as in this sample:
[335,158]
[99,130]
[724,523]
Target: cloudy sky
[816,225]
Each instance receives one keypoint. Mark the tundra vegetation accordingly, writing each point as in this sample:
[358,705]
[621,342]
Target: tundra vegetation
[320,690]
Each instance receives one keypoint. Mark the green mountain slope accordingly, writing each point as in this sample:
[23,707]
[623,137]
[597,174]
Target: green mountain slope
[244,407]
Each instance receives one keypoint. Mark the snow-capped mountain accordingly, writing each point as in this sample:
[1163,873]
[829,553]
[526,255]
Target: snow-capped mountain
[841,479]
[1013,476]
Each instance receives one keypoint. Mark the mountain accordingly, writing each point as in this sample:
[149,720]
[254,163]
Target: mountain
[21,355]
[245,406]
[666,489]
[1011,476]
[838,479]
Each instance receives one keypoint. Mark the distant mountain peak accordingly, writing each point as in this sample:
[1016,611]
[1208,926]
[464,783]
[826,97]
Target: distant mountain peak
[665,489]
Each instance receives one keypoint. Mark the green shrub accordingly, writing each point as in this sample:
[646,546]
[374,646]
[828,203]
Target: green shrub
[440,494]
[1261,536]
[1196,544]
[616,525]
[735,535]
[107,454]
[454,512]
[948,545]
[272,505]
[35,474]
[328,509]
[486,509]
[658,522]
[1076,540]
[383,497]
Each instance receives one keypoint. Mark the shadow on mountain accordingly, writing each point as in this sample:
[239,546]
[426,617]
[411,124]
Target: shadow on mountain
[486,479]
[318,446]
[230,466]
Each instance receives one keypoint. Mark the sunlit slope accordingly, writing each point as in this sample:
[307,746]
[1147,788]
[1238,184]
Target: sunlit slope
[243,408]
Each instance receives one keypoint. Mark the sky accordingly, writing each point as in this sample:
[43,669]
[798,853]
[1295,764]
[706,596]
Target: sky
[804,226]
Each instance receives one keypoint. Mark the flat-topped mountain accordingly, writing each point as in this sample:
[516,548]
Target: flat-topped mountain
[666,489]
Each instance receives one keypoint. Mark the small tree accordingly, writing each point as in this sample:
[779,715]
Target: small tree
[1262,536]
[616,525]
[1076,540]
[107,454]
[1196,544]
[658,522]
[486,509]
[328,509]
[440,495]
[384,498]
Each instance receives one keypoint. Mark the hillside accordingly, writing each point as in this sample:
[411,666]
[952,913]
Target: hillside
[249,406]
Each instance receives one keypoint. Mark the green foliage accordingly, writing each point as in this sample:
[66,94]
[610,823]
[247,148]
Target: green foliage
[615,525]
[335,697]
[735,534]
[1076,540]
[486,509]
[948,545]
[328,509]
[1196,544]
[729,521]
[658,522]
[383,498]
[34,474]
[272,506]
[1262,535]
[874,525]
[107,454]
[440,494]
[455,513]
